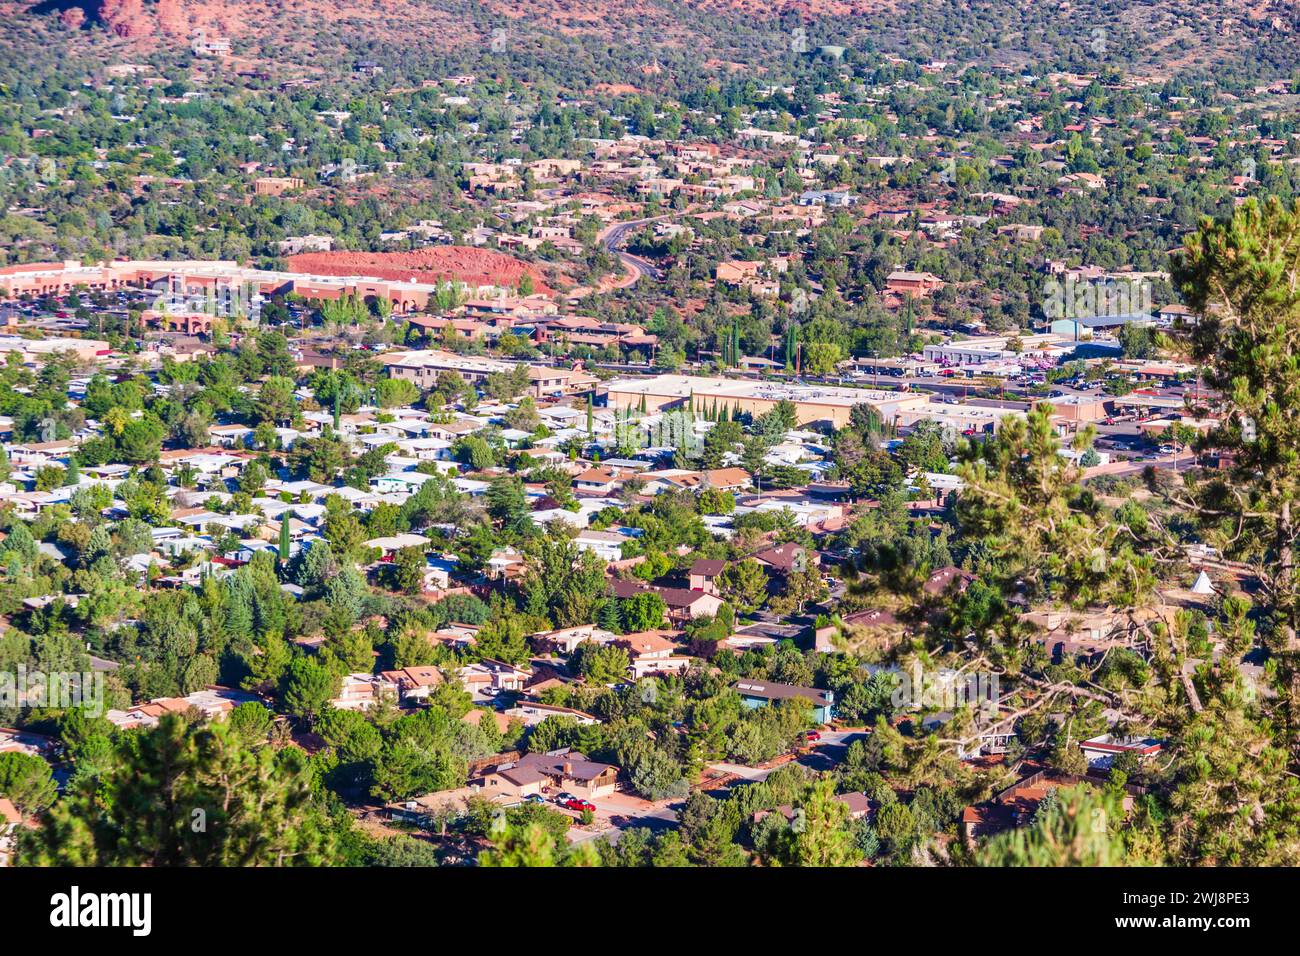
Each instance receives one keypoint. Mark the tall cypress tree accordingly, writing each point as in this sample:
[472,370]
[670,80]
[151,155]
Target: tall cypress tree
[609,617]
[284,537]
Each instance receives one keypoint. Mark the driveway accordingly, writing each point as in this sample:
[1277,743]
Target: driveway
[625,811]
[825,754]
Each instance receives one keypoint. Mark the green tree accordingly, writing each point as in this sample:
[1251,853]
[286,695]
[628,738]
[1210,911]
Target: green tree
[801,588]
[275,401]
[823,357]
[409,566]
[744,584]
[252,722]
[656,775]
[394,392]
[27,781]
[508,505]
[601,663]
[1077,828]
[307,689]
[642,612]
[534,845]
[822,836]
[562,580]
[185,794]
[1024,504]
[1238,276]
[1234,801]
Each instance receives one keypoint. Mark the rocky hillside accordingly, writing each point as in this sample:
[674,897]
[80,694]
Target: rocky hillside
[1146,35]
[135,19]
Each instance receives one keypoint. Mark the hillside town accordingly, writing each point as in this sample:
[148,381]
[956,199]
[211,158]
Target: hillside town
[700,527]
[874,460]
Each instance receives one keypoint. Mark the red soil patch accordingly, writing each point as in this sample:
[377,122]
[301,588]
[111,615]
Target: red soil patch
[458,263]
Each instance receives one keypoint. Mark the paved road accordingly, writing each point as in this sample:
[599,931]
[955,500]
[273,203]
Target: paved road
[617,234]
[1120,468]
[642,267]
[829,752]
[826,754]
[623,811]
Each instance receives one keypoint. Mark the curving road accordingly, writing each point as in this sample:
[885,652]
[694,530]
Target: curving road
[637,267]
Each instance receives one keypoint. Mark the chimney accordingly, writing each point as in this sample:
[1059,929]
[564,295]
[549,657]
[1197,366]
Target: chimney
[568,768]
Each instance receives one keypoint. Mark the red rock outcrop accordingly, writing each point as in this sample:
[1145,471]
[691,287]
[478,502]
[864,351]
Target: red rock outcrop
[470,265]
[126,18]
[174,19]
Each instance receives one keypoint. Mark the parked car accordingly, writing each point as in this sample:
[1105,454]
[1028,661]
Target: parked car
[579,804]
[812,736]
[534,798]
[563,798]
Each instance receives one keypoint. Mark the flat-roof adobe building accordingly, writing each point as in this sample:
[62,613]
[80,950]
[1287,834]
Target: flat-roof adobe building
[813,403]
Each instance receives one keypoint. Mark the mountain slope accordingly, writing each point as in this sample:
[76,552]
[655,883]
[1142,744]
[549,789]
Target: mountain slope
[1146,35]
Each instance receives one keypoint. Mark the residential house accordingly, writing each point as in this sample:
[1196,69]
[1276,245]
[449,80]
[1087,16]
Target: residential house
[1101,751]
[1016,805]
[566,640]
[362,691]
[413,683]
[787,558]
[1175,314]
[947,579]
[390,545]
[26,742]
[1068,636]
[755,694]
[683,605]
[704,574]
[912,283]
[213,702]
[533,712]
[653,652]
[606,545]
[10,819]
[601,480]
[489,677]
[558,770]
[719,479]
[827,198]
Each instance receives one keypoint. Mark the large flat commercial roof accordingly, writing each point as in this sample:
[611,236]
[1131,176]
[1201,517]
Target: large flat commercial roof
[218,270]
[436,358]
[683,386]
[1139,399]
